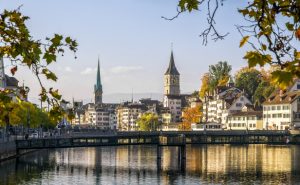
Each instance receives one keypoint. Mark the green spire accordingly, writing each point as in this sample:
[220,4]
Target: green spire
[98,85]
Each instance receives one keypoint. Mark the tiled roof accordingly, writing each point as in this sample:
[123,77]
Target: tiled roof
[282,98]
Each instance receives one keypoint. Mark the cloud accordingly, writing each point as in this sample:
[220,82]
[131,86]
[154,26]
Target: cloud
[125,69]
[87,71]
[68,69]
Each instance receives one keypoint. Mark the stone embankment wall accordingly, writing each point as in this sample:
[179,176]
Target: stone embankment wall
[8,151]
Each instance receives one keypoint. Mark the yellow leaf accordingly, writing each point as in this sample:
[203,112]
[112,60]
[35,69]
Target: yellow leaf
[297,55]
[244,40]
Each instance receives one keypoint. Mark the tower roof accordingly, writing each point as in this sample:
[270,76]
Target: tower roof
[172,70]
[98,85]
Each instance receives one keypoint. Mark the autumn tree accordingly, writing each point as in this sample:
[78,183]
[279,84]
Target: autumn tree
[190,115]
[148,122]
[20,48]
[204,89]
[219,74]
[272,30]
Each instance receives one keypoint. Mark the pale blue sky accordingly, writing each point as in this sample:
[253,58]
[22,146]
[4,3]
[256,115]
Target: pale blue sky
[133,43]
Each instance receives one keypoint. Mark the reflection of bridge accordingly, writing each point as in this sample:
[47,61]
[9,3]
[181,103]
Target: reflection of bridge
[160,139]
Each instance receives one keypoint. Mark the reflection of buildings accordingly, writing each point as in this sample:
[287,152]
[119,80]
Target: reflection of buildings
[226,160]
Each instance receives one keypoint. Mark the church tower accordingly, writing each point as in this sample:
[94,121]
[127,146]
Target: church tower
[98,87]
[2,74]
[171,79]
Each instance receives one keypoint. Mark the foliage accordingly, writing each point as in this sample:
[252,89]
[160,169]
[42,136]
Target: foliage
[273,33]
[26,114]
[204,89]
[189,116]
[219,74]
[262,92]
[19,47]
[148,122]
[248,80]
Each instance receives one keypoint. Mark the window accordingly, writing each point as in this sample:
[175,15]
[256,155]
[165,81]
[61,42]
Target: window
[238,104]
[278,107]
[274,115]
[273,107]
[298,86]
[279,115]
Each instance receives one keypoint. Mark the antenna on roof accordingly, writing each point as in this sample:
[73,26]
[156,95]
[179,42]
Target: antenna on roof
[131,95]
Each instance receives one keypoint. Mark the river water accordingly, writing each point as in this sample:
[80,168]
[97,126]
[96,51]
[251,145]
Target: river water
[211,164]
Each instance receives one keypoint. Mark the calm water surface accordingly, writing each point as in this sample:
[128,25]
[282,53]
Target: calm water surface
[212,164]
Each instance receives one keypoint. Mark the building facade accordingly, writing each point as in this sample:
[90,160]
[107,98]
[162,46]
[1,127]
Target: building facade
[281,110]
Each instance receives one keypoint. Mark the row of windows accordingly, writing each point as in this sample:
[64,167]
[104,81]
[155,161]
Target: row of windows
[278,107]
[243,125]
[277,115]
[242,118]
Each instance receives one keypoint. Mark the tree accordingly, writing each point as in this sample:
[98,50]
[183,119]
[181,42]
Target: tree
[263,91]
[204,89]
[21,49]
[248,79]
[219,74]
[28,115]
[148,122]
[273,33]
[189,116]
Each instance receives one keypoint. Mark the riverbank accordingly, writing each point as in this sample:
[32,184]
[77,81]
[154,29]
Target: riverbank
[8,151]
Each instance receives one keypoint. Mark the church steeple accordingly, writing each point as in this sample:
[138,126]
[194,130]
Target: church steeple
[172,70]
[172,79]
[98,83]
[98,86]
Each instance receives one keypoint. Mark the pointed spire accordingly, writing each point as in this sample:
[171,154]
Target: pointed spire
[98,85]
[172,70]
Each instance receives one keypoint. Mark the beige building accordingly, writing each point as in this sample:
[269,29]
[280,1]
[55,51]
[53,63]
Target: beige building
[246,119]
[282,109]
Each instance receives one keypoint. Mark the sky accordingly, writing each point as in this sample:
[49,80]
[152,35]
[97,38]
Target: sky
[132,42]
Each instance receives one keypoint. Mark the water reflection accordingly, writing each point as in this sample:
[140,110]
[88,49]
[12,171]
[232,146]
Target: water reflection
[218,164]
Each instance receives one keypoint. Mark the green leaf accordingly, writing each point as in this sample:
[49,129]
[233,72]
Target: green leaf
[49,75]
[289,26]
[264,47]
[244,40]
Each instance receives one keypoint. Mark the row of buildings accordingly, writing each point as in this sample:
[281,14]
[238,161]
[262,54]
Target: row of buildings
[227,105]
[124,116]
[230,107]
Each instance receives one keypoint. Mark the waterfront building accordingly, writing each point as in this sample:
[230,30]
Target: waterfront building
[90,114]
[246,119]
[127,115]
[172,98]
[225,100]
[281,110]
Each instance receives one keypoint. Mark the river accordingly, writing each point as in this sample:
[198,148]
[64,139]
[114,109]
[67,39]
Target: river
[205,164]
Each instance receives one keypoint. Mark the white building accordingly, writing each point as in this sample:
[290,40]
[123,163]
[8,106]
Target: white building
[246,119]
[226,101]
[127,115]
[282,109]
